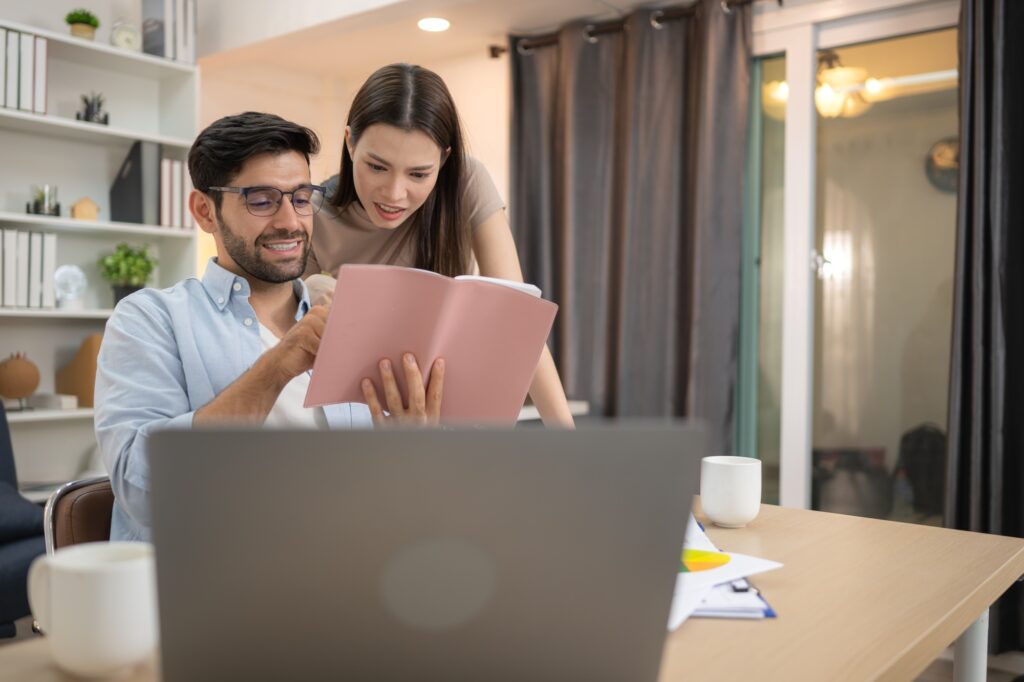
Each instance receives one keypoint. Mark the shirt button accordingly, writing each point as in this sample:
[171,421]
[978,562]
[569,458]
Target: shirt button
[247,322]
[220,299]
[237,286]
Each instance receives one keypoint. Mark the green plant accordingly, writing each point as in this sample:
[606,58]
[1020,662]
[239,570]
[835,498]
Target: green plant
[127,266]
[82,16]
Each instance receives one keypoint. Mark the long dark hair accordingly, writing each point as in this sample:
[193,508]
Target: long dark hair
[413,98]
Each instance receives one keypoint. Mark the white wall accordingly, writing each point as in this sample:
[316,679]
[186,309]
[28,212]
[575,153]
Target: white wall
[227,24]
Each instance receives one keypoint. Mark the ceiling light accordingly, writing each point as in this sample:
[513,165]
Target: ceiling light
[434,24]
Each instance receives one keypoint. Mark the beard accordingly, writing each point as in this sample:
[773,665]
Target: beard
[250,257]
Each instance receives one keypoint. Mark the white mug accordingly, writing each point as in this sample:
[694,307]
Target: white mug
[730,490]
[96,603]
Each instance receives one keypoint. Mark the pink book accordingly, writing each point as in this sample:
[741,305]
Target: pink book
[491,336]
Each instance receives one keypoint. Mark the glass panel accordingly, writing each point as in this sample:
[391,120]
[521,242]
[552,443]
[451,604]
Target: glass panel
[886,219]
[771,121]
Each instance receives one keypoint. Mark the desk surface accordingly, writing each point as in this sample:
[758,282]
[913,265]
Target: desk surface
[858,599]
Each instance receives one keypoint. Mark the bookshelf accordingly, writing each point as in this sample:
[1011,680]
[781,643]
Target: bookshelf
[149,99]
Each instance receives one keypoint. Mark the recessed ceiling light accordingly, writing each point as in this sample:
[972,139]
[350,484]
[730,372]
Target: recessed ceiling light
[434,24]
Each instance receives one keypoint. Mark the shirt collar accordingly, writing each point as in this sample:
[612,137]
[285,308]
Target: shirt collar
[221,285]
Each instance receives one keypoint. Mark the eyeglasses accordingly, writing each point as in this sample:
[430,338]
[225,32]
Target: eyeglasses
[266,201]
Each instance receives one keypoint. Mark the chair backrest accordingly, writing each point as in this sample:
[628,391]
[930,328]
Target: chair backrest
[78,512]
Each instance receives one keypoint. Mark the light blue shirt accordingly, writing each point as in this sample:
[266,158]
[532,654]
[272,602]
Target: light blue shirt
[165,354]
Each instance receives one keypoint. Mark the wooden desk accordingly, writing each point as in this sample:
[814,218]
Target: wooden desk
[857,599]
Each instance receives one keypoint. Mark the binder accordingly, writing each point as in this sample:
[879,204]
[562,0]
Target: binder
[11,85]
[35,270]
[21,285]
[49,268]
[135,194]
[26,71]
[187,221]
[176,193]
[39,86]
[180,47]
[10,247]
[165,192]
[3,67]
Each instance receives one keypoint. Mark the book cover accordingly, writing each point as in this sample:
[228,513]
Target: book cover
[35,270]
[490,336]
[39,86]
[11,84]
[10,245]
[26,70]
[180,47]
[165,192]
[187,221]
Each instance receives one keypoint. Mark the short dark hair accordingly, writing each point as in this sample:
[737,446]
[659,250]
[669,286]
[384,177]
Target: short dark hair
[223,147]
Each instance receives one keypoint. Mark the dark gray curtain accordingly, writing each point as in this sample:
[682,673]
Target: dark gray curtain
[985,467]
[628,153]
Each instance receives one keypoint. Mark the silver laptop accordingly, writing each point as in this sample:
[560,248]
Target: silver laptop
[419,555]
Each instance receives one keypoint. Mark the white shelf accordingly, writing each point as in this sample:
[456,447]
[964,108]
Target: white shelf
[26,122]
[57,313]
[99,55]
[29,416]
[39,494]
[56,224]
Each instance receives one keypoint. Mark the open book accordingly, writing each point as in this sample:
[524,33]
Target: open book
[490,333]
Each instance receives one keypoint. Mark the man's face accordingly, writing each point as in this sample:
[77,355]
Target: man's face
[274,248]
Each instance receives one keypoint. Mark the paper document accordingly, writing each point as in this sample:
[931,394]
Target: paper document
[703,568]
[490,336]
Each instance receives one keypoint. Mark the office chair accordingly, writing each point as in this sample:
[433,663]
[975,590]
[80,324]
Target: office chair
[78,512]
[21,537]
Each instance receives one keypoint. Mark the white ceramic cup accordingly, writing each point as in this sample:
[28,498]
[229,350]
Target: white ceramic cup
[96,603]
[730,490]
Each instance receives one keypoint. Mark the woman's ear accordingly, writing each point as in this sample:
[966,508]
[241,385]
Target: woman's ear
[348,141]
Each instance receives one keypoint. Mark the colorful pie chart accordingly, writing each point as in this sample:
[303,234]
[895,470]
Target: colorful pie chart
[695,560]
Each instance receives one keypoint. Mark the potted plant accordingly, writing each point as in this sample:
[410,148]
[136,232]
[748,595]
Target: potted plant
[127,269]
[83,23]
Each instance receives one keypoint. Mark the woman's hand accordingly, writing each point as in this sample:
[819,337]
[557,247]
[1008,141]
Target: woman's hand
[424,408]
[321,289]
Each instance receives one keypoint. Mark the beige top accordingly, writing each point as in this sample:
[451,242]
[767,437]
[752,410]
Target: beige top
[351,238]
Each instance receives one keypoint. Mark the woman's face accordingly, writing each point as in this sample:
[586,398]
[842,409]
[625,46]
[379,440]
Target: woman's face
[394,171]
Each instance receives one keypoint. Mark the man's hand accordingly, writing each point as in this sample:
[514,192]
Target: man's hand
[297,349]
[424,408]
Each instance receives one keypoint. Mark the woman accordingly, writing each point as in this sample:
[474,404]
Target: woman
[407,195]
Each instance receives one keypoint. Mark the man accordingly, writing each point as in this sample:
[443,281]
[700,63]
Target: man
[236,346]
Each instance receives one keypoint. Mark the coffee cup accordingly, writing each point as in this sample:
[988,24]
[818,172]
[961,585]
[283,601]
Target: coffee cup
[730,490]
[96,603]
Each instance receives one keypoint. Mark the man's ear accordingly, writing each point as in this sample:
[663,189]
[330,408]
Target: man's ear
[203,211]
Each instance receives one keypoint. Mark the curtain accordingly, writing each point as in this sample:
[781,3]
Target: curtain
[628,156]
[985,462]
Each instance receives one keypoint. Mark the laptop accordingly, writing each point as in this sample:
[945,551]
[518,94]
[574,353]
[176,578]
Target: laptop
[520,554]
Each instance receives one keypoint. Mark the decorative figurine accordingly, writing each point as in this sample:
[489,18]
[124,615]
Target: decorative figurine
[85,209]
[92,109]
[126,36]
[19,378]
[69,282]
